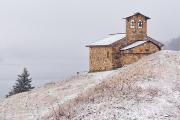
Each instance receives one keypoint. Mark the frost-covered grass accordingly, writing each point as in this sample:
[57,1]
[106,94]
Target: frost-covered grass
[41,101]
[146,90]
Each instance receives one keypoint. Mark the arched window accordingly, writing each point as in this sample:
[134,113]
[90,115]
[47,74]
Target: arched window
[132,24]
[140,24]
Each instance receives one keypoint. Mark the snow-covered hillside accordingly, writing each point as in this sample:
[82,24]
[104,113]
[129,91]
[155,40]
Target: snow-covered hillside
[146,90]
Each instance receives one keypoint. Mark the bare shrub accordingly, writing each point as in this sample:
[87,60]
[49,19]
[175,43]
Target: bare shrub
[119,85]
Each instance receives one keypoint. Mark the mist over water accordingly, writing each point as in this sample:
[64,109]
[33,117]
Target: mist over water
[41,72]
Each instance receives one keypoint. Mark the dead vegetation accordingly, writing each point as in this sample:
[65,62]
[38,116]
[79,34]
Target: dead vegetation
[147,89]
[121,86]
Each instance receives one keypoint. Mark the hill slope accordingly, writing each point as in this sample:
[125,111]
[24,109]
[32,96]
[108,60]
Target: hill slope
[148,89]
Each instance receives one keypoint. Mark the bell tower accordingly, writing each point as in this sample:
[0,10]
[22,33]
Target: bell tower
[136,27]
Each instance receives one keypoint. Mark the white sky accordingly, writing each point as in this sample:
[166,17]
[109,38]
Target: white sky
[49,36]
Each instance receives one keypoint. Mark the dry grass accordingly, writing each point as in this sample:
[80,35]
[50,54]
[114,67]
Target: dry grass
[119,85]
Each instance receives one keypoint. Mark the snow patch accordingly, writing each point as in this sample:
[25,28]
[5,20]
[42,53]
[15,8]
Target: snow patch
[108,40]
[133,45]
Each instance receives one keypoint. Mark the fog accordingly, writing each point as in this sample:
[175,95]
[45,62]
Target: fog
[49,36]
[173,44]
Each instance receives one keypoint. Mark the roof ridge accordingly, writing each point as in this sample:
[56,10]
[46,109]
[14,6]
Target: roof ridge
[137,14]
[116,33]
[154,41]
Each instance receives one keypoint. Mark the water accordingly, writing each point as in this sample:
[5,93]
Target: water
[41,71]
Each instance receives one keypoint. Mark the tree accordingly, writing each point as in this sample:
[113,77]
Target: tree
[23,83]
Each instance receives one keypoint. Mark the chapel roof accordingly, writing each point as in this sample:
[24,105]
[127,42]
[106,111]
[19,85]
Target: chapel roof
[137,13]
[113,38]
[108,40]
[135,44]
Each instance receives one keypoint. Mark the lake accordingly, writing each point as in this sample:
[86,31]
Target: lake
[41,71]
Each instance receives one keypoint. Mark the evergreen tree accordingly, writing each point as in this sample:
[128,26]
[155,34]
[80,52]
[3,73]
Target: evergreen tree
[23,83]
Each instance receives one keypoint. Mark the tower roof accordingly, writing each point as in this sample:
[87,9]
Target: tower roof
[136,14]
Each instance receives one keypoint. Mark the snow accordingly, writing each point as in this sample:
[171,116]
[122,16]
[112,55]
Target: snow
[133,45]
[146,90]
[39,102]
[108,40]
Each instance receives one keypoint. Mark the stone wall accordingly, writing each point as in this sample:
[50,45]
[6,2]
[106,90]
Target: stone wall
[108,58]
[136,33]
[104,58]
[100,59]
[132,55]
[131,58]
[147,47]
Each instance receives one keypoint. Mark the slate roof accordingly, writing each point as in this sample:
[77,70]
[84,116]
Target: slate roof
[154,41]
[135,44]
[110,39]
[113,38]
[138,13]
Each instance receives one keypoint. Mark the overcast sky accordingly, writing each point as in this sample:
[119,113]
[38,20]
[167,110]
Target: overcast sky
[49,36]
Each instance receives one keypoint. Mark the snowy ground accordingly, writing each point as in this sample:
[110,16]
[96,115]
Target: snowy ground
[146,90]
[39,102]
